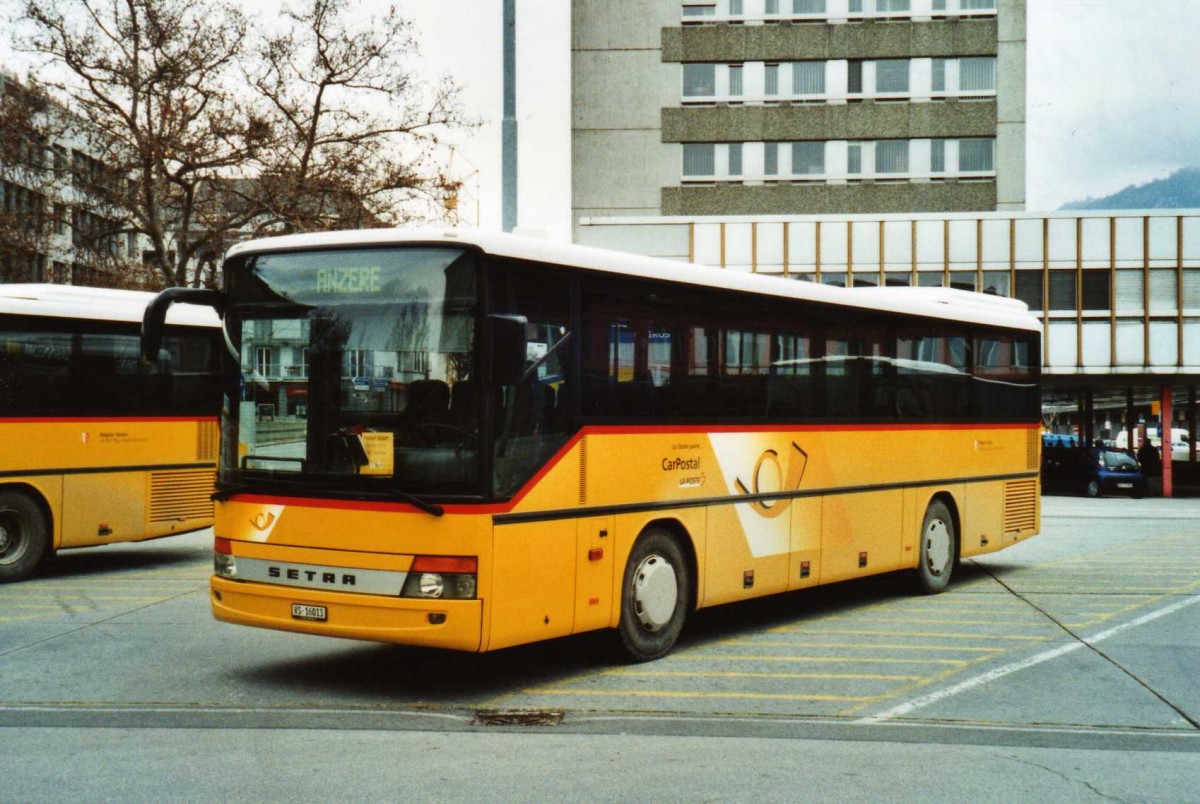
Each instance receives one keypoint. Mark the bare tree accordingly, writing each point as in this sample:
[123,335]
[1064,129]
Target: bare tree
[151,85]
[356,130]
[198,130]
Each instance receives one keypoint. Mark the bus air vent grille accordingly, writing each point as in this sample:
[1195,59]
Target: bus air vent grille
[1020,506]
[1033,440]
[207,435]
[181,495]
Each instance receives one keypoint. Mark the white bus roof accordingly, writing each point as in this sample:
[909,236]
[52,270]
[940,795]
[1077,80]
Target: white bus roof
[100,304]
[944,303]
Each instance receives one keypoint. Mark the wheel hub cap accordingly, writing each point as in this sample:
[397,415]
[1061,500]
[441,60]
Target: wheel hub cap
[4,538]
[937,547]
[655,589]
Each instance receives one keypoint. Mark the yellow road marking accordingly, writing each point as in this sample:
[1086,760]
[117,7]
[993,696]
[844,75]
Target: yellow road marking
[863,646]
[929,634]
[818,659]
[748,674]
[769,696]
[1036,618]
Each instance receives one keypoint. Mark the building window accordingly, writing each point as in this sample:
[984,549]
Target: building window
[735,80]
[894,6]
[698,159]
[891,156]
[735,8]
[772,79]
[856,6]
[937,81]
[1062,290]
[771,159]
[891,75]
[854,158]
[854,82]
[808,158]
[995,283]
[735,159]
[699,9]
[977,75]
[1096,286]
[772,7]
[1029,289]
[962,280]
[937,156]
[976,155]
[699,80]
[808,6]
[264,361]
[939,5]
[808,78]
[977,5]
[358,363]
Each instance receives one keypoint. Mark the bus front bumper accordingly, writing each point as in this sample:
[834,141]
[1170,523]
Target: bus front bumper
[449,624]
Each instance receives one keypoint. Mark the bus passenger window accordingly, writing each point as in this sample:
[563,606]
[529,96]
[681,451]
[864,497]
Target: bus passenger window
[534,416]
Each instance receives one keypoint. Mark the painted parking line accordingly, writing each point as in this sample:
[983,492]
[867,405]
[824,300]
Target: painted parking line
[724,695]
[808,629]
[795,659]
[862,646]
[1040,658]
[757,675]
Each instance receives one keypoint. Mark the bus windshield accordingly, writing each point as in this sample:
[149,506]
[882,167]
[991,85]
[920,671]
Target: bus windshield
[356,370]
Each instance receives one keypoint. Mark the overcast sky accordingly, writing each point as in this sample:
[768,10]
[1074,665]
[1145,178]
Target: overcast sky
[1111,93]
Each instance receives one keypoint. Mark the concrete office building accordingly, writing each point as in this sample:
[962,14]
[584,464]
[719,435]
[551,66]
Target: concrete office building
[753,107]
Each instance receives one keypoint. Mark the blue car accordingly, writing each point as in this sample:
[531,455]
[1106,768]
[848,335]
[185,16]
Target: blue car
[1092,471]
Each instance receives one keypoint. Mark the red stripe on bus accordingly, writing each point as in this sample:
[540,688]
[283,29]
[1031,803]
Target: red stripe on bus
[102,419]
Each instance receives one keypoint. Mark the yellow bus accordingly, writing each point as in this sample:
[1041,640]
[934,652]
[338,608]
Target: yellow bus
[95,448]
[484,440]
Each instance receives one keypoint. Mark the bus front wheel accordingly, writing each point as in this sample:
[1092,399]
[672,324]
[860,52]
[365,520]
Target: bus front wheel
[938,543]
[24,537]
[655,596]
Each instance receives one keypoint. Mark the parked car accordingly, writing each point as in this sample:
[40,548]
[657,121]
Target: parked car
[1092,471]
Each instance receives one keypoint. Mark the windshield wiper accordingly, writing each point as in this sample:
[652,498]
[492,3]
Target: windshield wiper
[225,490]
[411,499]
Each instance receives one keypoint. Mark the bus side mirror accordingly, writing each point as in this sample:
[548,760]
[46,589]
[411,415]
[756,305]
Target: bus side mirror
[155,316]
[507,357]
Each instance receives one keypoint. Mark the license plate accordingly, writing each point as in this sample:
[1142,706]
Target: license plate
[302,611]
[1124,485]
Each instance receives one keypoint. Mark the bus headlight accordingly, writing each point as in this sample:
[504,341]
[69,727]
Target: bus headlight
[441,578]
[224,564]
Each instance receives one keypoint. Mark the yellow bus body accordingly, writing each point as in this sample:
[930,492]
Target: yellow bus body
[850,501]
[107,480]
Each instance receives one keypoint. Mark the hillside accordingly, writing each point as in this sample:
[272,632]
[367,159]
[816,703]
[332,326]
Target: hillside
[1180,190]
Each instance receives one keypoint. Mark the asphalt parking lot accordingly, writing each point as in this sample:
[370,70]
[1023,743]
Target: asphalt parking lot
[1083,639]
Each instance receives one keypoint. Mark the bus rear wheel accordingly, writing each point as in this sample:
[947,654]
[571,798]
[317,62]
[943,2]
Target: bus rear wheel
[655,596]
[24,537]
[938,542]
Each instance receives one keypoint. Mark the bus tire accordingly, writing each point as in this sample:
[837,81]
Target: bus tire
[24,536]
[938,542]
[655,596]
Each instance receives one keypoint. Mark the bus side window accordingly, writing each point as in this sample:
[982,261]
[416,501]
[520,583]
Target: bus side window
[534,417]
